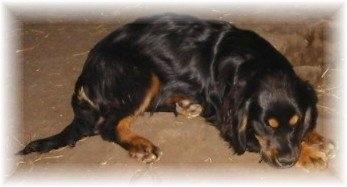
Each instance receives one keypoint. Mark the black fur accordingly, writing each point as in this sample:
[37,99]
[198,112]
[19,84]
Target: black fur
[233,73]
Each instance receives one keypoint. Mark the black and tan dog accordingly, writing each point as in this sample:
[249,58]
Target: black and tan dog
[234,78]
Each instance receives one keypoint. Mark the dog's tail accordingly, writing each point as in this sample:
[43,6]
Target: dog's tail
[69,136]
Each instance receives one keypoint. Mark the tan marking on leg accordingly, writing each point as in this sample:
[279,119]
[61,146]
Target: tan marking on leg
[315,152]
[151,93]
[140,147]
[123,129]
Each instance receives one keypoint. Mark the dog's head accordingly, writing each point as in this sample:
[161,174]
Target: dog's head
[271,116]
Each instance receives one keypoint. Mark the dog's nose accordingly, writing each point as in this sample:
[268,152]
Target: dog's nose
[286,160]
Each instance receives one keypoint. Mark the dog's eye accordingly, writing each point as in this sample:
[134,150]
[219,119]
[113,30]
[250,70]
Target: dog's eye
[294,120]
[273,122]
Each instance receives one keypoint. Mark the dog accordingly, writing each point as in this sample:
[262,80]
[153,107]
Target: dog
[232,77]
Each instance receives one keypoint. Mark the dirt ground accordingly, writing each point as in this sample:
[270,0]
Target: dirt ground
[52,55]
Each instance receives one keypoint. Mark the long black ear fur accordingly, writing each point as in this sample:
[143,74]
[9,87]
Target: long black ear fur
[239,128]
[309,98]
[235,125]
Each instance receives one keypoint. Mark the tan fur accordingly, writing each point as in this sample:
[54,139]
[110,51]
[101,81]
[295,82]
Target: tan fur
[140,147]
[294,120]
[315,152]
[273,123]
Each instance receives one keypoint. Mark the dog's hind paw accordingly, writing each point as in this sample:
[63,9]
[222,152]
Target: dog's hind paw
[144,151]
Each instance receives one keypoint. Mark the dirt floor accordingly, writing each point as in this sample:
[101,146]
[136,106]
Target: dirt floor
[52,55]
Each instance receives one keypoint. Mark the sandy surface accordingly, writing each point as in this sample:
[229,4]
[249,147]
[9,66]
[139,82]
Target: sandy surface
[52,56]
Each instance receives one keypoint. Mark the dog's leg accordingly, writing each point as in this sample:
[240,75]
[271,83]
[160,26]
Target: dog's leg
[315,151]
[117,128]
[139,147]
[83,125]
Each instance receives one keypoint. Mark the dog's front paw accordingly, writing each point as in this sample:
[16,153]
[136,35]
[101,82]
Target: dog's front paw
[144,150]
[188,109]
[315,155]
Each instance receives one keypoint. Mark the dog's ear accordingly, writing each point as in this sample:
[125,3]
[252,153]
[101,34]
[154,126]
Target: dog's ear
[239,128]
[235,124]
[309,98]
